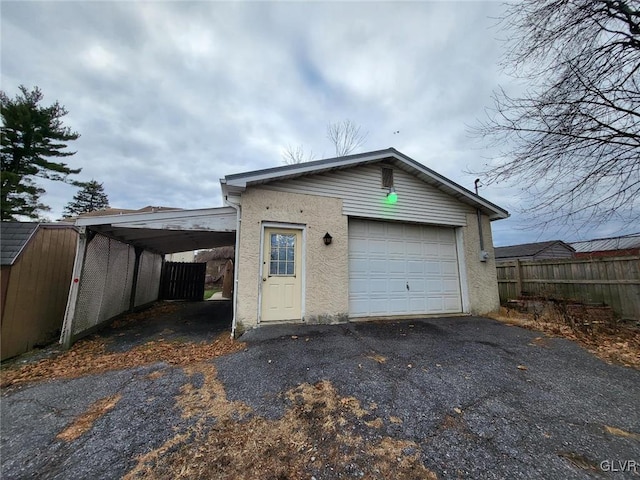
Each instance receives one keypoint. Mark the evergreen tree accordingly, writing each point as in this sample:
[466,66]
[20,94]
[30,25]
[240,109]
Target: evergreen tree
[32,135]
[91,197]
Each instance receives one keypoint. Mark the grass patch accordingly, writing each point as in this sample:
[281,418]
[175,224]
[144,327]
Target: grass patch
[85,421]
[209,293]
[321,434]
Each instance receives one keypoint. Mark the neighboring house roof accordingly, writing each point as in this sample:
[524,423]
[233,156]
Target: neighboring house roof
[527,249]
[237,183]
[626,242]
[16,235]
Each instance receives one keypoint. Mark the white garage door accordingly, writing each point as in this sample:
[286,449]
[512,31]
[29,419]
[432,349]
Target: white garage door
[402,269]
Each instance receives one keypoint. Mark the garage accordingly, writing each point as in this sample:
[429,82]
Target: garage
[402,269]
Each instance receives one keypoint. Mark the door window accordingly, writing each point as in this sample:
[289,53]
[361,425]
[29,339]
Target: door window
[282,261]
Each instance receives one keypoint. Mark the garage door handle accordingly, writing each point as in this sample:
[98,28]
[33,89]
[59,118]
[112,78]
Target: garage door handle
[408,287]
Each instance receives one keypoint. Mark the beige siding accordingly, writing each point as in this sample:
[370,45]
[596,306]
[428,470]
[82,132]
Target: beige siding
[480,277]
[37,290]
[325,297]
[360,189]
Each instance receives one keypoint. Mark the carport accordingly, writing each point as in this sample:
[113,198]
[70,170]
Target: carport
[119,260]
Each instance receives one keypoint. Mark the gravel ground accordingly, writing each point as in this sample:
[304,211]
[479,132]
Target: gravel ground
[480,399]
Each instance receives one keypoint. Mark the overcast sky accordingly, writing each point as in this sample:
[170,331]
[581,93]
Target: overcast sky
[170,96]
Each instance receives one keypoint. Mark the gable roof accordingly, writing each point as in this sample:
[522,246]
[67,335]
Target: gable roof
[527,249]
[237,183]
[15,235]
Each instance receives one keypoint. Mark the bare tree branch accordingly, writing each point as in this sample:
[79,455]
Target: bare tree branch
[293,155]
[571,142]
[346,137]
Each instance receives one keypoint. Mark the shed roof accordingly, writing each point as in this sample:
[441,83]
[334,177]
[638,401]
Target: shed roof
[527,249]
[16,235]
[233,184]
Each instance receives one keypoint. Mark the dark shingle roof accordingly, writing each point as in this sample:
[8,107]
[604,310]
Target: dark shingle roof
[525,249]
[13,237]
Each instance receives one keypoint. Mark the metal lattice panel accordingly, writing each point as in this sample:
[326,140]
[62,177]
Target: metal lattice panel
[148,278]
[107,279]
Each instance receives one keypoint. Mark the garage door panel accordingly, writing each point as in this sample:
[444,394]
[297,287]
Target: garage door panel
[378,286]
[397,286]
[385,257]
[449,268]
[378,267]
[397,266]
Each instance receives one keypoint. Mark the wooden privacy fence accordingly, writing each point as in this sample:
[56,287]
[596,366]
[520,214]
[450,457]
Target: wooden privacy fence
[611,281]
[183,281]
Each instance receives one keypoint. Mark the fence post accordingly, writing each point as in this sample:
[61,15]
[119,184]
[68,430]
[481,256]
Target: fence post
[518,275]
[134,284]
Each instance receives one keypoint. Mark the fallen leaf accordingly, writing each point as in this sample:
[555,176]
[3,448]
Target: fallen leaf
[457,410]
[621,433]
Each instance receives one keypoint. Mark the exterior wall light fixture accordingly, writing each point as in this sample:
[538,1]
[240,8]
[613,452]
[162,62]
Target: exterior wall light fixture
[327,238]
[392,196]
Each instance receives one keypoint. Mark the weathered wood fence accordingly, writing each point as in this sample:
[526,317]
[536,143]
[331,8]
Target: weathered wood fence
[611,281]
[182,281]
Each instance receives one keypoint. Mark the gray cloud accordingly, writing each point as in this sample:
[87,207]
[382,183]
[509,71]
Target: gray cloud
[171,96]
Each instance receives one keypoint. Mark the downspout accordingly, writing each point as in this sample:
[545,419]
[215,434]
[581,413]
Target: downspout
[484,255]
[235,263]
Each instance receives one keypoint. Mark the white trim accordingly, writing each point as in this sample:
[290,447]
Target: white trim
[236,256]
[462,269]
[303,249]
[154,216]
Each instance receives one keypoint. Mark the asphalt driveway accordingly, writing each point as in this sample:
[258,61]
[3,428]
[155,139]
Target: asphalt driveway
[475,398]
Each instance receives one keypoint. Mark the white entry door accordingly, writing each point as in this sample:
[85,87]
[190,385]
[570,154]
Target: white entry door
[402,269]
[281,275]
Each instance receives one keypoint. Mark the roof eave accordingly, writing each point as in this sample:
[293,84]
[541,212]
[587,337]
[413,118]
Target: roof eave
[237,183]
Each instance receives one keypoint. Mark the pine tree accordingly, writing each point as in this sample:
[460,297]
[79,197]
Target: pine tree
[31,136]
[91,197]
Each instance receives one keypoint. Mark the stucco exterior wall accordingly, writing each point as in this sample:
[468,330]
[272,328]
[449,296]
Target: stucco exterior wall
[325,297]
[482,281]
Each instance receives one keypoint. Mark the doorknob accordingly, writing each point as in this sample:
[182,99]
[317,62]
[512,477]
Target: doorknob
[264,279]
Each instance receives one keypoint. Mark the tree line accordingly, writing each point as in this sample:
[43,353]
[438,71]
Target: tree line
[34,143]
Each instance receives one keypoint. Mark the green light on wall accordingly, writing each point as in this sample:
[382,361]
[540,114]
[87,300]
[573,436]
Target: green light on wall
[392,197]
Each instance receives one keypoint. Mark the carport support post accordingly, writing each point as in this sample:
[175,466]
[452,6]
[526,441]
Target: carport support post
[72,300]
[134,284]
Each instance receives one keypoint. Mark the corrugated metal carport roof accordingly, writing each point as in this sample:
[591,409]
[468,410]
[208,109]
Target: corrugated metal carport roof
[168,231]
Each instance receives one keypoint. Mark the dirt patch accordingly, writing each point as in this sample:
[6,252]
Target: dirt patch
[620,345]
[320,434]
[85,421]
[89,356]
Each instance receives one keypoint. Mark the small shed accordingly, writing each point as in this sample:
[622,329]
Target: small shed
[37,263]
[534,251]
